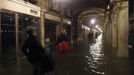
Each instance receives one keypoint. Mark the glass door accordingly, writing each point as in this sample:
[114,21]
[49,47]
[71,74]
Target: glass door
[50,33]
[8,36]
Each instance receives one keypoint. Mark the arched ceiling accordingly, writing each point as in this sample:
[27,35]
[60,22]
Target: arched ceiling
[80,6]
[86,16]
[84,10]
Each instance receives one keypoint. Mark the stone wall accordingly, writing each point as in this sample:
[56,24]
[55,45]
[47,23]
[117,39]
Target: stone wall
[116,29]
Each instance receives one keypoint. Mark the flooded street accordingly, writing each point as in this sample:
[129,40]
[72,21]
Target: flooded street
[95,56]
[93,59]
[84,37]
[85,59]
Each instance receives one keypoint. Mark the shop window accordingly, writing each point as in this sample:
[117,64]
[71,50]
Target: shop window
[8,36]
[50,31]
[26,22]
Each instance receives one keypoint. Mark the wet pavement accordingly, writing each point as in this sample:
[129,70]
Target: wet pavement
[85,59]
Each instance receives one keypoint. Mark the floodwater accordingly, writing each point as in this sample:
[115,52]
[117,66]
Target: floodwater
[86,58]
[92,58]
[95,56]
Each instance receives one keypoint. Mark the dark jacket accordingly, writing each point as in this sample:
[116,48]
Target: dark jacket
[33,49]
[61,38]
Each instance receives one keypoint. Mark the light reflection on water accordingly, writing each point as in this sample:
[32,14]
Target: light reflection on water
[95,56]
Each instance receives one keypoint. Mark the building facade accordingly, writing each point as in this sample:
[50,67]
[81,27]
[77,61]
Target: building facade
[17,16]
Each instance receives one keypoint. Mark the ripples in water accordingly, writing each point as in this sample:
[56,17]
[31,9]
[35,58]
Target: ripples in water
[94,58]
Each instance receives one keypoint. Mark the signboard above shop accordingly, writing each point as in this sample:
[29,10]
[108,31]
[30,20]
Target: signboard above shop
[20,7]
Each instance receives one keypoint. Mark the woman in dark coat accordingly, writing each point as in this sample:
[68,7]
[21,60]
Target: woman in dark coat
[34,52]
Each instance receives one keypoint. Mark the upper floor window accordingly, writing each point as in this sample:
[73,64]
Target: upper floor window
[67,12]
[53,5]
[32,1]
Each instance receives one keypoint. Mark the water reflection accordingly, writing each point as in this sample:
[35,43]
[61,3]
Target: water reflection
[94,58]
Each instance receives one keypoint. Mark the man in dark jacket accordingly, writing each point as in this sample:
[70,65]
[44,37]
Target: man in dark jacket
[34,52]
[61,38]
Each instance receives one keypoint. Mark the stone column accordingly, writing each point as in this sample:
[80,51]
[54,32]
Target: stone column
[62,17]
[123,30]
[110,33]
[41,3]
[104,29]
[114,30]
[17,40]
[42,29]
[17,32]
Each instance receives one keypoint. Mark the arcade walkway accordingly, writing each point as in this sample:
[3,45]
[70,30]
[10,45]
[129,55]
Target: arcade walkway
[85,59]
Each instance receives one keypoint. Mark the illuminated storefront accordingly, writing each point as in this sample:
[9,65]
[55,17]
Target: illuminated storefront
[16,17]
